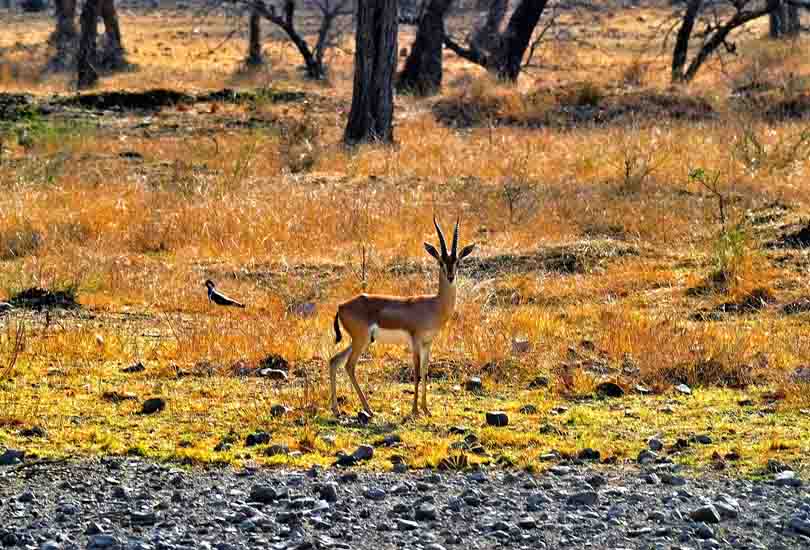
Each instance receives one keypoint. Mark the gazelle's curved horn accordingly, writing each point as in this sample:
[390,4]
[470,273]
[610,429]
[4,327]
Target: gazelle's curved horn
[455,239]
[441,237]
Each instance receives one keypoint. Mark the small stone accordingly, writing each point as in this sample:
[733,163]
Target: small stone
[589,454]
[153,405]
[143,518]
[374,493]
[425,512]
[643,390]
[34,431]
[273,374]
[671,479]
[726,510]
[782,479]
[363,452]
[704,532]
[539,382]
[348,477]
[11,457]
[703,439]
[683,389]
[646,457]
[135,367]
[103,541]
[527,523]
[92,528]
[584,498]
[263,493]
[521,346]
[497,418]
[406,525]
[276,450]
[474,385]
[609,389]
[528,409]
[50,545]
[328,492]
[26,496]
[363,418]
[800,525]
[596,481]
[278,410]
[257,438]
[707,514]
[655,444]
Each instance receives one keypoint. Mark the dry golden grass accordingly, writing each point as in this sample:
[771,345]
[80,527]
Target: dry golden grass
[593,244]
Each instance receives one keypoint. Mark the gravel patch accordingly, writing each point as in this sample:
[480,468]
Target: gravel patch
[134,504]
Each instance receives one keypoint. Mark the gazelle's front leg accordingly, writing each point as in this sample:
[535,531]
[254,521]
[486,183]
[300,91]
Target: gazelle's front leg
[424,363]
[417,359]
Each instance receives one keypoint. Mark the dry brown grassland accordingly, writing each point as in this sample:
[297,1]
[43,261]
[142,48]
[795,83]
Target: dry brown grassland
[594,245]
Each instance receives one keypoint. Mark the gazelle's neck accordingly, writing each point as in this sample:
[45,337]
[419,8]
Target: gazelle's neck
[446,296]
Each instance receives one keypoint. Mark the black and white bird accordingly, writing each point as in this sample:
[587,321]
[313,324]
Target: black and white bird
[218,298]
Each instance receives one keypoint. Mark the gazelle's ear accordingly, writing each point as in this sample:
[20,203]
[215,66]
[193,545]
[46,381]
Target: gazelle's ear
[433,252]
[466,251]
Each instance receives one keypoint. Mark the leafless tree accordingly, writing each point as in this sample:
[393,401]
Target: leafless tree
[284,18]
[502,52]
[423,70]
[784,19]
[255,58]
[718,23]
[372,113]
[65,36]
[87,75]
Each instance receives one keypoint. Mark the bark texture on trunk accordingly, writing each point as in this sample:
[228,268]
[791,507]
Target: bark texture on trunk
[255,57]
[113,57]
[372,112]
[784,19]
[682,40]
[487,37]
[423,70]
[517,37]
[65,36]
[87,76]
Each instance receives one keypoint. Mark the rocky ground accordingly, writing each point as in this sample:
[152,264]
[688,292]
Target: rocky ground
[137,504]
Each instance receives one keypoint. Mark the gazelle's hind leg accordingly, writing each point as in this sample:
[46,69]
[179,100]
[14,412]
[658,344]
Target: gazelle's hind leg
[416,379]
[335,363]
[357,348]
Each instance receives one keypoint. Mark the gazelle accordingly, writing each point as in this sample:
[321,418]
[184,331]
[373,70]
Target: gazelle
[413,321]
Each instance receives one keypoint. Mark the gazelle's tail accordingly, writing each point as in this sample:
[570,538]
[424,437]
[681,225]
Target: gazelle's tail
[338,335]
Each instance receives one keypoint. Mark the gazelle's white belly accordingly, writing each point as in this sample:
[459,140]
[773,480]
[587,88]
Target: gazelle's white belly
[391,336]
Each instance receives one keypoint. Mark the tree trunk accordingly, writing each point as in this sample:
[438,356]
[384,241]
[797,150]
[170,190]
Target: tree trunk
[682,41]
[86,61]
[255,57]
[372,112]
[64,37]
[422,74]
[783,19]
[486,38]
[113,57]
[515,40]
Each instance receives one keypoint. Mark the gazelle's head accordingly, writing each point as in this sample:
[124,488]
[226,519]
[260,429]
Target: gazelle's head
[210,284]
[448,263]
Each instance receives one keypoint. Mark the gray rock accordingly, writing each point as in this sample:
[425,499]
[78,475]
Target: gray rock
[103,541]
[497,418]
[278,410]
[425,512]
[26,496]
[646,456]
[273,374]
[363,452]
[11,457]
[50,545]
[153,405]
[528,409]
[328,492]
[527,523]
[406,525]
[683,389]
[703,439]
[671,479]
[655,444]
[704,532]
[787,479]
[707,514]
[583,498]
[474,384]
[277,449]
[799,525]
[263,493]
[143,518]
[374,493]
[609,389]
[257,438]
